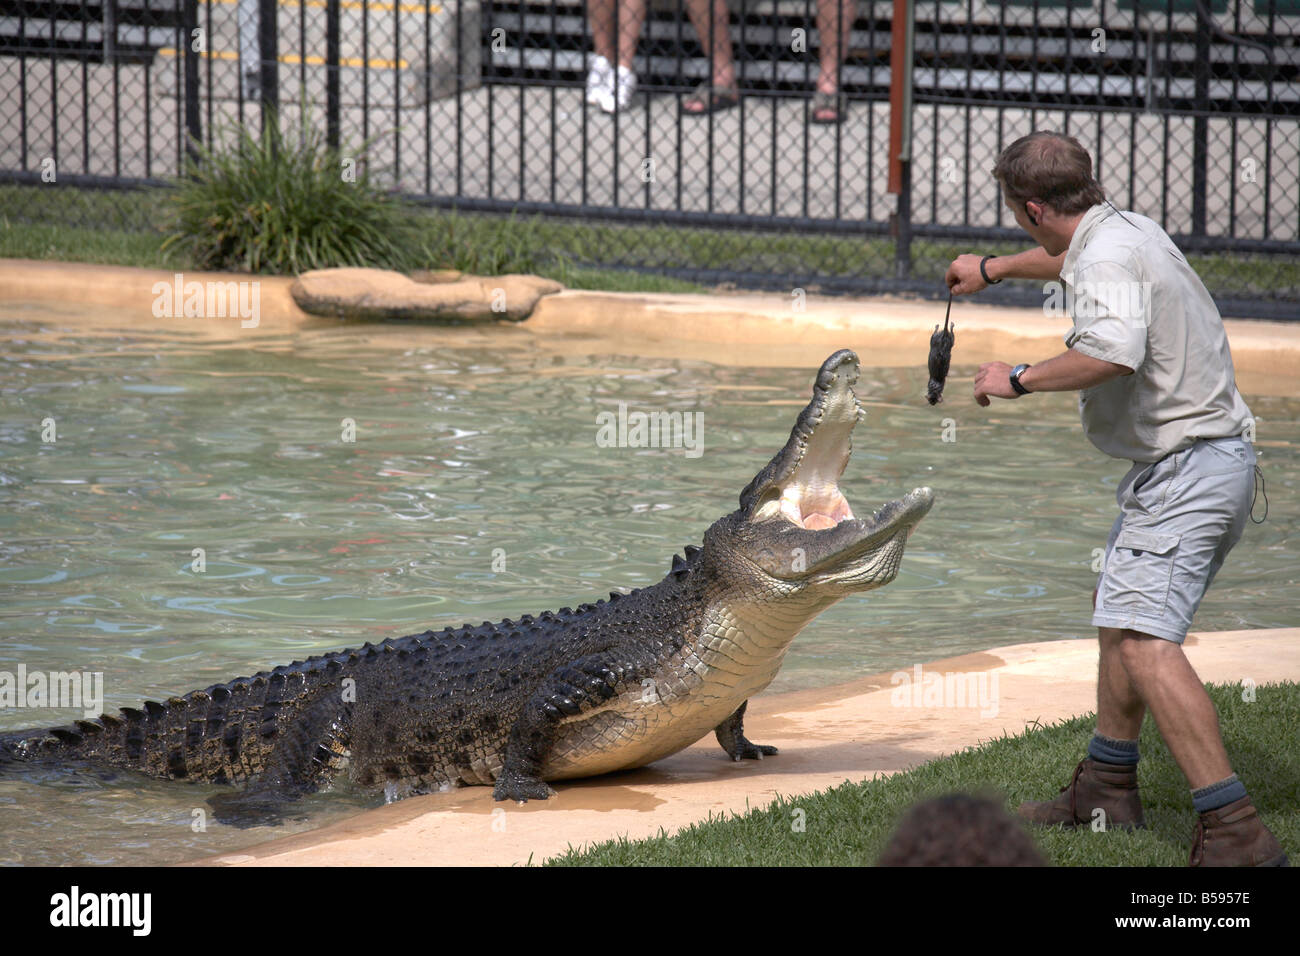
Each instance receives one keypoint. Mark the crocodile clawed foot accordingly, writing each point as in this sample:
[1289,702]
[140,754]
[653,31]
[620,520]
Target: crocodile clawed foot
[731,736]
[752,751]
[510,786]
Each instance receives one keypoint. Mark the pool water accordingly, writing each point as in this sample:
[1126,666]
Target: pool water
[475,489]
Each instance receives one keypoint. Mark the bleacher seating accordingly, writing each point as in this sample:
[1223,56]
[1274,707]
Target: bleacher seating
[93,30]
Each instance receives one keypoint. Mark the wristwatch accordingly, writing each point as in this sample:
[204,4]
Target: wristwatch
[1015,378]
[984,273]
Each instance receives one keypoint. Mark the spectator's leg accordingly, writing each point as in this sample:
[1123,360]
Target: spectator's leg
[715,37]
[834,27]
[631,17]
[601,14]
[1183,711]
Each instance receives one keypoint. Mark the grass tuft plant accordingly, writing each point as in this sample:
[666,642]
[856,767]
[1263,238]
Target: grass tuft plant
[275,204]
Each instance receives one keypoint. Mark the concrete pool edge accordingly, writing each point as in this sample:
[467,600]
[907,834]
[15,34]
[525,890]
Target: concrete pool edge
[758,329]
[881,724]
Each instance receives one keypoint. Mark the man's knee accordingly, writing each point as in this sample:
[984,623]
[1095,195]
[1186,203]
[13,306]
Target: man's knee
[1139,652]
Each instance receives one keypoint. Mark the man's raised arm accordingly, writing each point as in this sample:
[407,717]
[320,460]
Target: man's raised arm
[964,277]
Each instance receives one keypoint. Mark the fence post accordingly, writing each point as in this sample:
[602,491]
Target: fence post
[109,14]
[332,73]
[1200,123]
[900,135]
[193,117]
[268,51]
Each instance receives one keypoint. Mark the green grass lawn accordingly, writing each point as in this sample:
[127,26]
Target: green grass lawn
[849,825]
[41,223]
[130,227]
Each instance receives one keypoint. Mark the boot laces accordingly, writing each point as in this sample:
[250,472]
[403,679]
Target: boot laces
[1198,842]
[1073,787]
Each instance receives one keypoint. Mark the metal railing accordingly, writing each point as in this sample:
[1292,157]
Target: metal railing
[1191,109]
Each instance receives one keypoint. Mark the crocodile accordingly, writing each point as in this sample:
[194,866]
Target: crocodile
[517,704]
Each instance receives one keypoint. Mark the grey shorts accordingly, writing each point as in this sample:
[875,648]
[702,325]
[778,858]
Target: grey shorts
[1179,518]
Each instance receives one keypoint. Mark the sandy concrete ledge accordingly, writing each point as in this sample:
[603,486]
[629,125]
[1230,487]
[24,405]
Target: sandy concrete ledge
[848,732]
[884,331]
[757,329]
[128,287]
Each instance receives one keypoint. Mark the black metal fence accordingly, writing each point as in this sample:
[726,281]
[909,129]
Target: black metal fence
[1191,109]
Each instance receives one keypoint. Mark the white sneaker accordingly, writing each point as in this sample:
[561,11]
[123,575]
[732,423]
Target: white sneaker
[600,79]
[619,96]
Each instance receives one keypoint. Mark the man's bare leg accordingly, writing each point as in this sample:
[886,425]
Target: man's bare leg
[1164,679]
[1119,705]
[1104,786]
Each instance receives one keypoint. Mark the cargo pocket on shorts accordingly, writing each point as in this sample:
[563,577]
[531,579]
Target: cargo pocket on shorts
[1138,572]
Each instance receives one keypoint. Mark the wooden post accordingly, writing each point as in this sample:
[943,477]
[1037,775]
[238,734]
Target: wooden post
[900,135]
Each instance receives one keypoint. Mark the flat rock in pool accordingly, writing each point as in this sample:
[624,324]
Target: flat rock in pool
[372,294]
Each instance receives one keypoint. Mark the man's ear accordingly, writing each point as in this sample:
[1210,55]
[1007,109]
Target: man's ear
[1033,217]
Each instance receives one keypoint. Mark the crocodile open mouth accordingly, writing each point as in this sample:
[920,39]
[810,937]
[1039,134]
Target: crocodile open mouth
[800,487]
[810,492]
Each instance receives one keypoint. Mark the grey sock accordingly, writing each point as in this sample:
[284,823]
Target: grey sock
[1216,795]
[1111,750]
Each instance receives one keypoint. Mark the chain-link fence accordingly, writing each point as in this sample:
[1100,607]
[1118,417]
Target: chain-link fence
[747,141]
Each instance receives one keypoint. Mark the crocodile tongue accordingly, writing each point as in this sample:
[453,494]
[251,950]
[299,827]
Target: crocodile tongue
[818,521]
[797,506]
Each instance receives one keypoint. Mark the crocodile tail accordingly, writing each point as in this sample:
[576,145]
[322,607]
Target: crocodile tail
[83,738]
[134,738]
[197,736]
[223,734]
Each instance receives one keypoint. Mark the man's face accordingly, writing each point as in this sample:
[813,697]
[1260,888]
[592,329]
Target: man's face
[1045,233]
[1017,209]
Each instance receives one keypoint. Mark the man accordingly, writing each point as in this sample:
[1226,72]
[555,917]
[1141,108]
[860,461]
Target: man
[1150,357]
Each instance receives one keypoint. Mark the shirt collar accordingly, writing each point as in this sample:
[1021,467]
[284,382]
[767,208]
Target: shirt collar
[1082,231]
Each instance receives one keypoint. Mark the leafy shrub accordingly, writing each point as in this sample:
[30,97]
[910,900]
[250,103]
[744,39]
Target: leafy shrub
[273,205]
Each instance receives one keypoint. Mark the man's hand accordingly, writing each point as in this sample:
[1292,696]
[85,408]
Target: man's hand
[963,276]
[993,379]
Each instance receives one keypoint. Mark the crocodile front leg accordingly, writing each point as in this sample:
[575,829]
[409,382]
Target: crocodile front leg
[730,734]
[567,692]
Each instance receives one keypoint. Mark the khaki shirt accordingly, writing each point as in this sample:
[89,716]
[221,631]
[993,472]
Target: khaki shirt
[1136,302]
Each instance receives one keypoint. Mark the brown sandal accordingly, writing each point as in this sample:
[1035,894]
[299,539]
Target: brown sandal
[832,108]
[710,99]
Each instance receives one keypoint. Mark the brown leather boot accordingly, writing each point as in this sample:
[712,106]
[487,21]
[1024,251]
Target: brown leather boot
[1095,785]
[1234,835]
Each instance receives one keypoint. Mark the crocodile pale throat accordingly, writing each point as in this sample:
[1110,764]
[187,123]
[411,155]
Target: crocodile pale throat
[607,686]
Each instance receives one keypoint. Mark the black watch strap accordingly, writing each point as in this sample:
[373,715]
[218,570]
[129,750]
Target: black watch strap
[1015,379]
[984,273]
